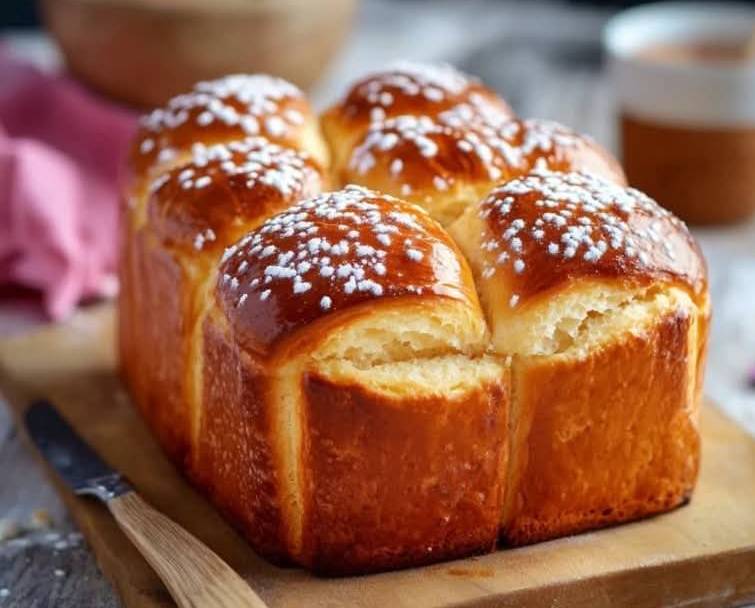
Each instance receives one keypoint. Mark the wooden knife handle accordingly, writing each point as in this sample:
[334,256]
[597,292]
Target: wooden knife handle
[194,574]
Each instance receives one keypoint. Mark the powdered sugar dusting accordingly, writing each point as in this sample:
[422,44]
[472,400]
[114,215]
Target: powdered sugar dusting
[345,243]
[433,81]
[251,103]
[576,217]
[486,137]
[255,159]
[248,164]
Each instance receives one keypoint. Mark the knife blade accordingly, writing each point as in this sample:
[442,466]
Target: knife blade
[75,462]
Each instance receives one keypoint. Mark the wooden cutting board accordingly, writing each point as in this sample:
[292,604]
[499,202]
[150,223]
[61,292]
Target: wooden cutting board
[700,555]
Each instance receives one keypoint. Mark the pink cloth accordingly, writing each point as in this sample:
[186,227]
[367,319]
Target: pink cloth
[61,153]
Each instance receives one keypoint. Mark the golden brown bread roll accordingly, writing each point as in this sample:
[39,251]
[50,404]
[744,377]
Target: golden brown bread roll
[354,424]
[151,325]
[600,297]
[449,162]
[192,211]
[218,111]
[405,88]
[321,364]
[223,190]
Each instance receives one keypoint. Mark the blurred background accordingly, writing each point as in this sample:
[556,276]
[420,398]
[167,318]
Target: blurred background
[75,74]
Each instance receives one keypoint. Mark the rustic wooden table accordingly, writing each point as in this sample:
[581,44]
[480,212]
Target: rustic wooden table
[547,62]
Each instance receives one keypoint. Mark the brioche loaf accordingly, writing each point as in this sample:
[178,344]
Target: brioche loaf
[361,382]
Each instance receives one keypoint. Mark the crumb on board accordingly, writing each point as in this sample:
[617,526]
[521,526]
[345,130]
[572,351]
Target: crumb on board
[37,532]
[40,519]
[9,528]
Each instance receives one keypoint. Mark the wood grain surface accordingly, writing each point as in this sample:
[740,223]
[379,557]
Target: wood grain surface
[700,555]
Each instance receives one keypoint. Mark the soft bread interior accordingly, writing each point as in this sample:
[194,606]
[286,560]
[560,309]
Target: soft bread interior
[417,330]
[449,376]
[444,206]
[578,320]
[467,231]
[339,141]
[313,143]
[607,319]
[447,206]
[288,421]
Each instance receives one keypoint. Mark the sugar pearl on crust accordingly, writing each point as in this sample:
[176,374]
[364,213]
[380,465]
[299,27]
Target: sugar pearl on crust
[258,93]
[332,251]
[249,104]
[255,159]
[433,81]
[486,142]
[203,237]
[557,224]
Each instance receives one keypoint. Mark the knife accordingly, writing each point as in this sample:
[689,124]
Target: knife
[195,575]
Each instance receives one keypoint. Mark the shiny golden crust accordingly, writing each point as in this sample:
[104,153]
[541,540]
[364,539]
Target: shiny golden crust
[548,145]
[359,295]
[224,189]
[358,448]
[450,162]
[321,366]
[405,88]
[236,464]
[608,438]
[399,482]
[422,160]
[330,253]
[154,310]
[214,114]
[546,230]
[227,109]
